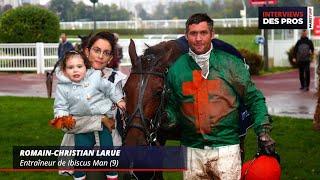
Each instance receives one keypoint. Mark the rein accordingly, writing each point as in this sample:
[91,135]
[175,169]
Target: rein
[154,123]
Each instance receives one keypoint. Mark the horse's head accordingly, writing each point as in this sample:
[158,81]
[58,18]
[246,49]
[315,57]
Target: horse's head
[145,91]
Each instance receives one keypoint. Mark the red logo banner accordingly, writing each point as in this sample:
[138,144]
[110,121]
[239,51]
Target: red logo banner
[262,2]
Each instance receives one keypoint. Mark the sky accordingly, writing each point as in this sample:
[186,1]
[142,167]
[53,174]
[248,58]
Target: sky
[43,1]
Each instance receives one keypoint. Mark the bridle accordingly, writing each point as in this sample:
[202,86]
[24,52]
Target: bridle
[154,123]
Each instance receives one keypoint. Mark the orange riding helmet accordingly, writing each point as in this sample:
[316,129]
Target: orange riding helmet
[261,168]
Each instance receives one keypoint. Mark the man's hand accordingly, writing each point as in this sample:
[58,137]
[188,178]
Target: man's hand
[67,122]
[294,60]
[266,144]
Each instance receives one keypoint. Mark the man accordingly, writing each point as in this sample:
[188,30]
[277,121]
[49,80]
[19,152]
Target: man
[205,88]
[302,55]
[64,46]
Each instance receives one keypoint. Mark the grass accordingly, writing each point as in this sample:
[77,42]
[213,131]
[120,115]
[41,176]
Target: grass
[24,121]
[298,146]
[241,41]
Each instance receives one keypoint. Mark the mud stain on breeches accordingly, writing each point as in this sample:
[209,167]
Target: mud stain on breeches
[208,170]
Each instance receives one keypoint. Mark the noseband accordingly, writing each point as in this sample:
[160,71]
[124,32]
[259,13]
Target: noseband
[154,123]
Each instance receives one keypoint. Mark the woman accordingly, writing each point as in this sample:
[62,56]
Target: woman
[98,52]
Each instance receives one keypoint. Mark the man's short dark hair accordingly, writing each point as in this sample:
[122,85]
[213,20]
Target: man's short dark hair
[198,18]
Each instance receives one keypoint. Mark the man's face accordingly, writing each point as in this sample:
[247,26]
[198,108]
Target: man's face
[63,38]
[199,37]
[304,34]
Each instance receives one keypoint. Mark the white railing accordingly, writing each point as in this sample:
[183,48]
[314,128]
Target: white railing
[18,59]
[155,24]
[41,57]
[28,56]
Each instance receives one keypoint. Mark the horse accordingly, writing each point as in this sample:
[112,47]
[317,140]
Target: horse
[145,96]
[145,91]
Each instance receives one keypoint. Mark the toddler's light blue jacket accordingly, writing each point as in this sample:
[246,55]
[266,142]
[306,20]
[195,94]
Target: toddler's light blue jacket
[89,97]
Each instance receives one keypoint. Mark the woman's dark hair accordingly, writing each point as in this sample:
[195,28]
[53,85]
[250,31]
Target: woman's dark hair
[198,18]
[70,54]
[105,35]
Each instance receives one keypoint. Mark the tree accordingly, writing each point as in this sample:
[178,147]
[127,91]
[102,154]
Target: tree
[28,24]
[142,13]
[111,13]
[316,6]
[103,13]
[160,12]
[232,9]
[184,10]
[216,10]
[81,11]
[63,8]
[118,14]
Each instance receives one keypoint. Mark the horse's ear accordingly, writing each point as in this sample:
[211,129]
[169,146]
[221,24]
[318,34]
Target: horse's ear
[90,34]
[79,36]
[133,53]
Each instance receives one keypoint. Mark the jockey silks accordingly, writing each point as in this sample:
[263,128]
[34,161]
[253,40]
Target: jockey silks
[207,109]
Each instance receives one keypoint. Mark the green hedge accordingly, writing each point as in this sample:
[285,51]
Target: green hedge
[218,30]
[254,61]
[29,24]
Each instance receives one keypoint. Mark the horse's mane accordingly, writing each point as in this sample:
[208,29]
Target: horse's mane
[152,56]
[156,49]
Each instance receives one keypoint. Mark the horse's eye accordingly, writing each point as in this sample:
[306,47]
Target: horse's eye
[149,57]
